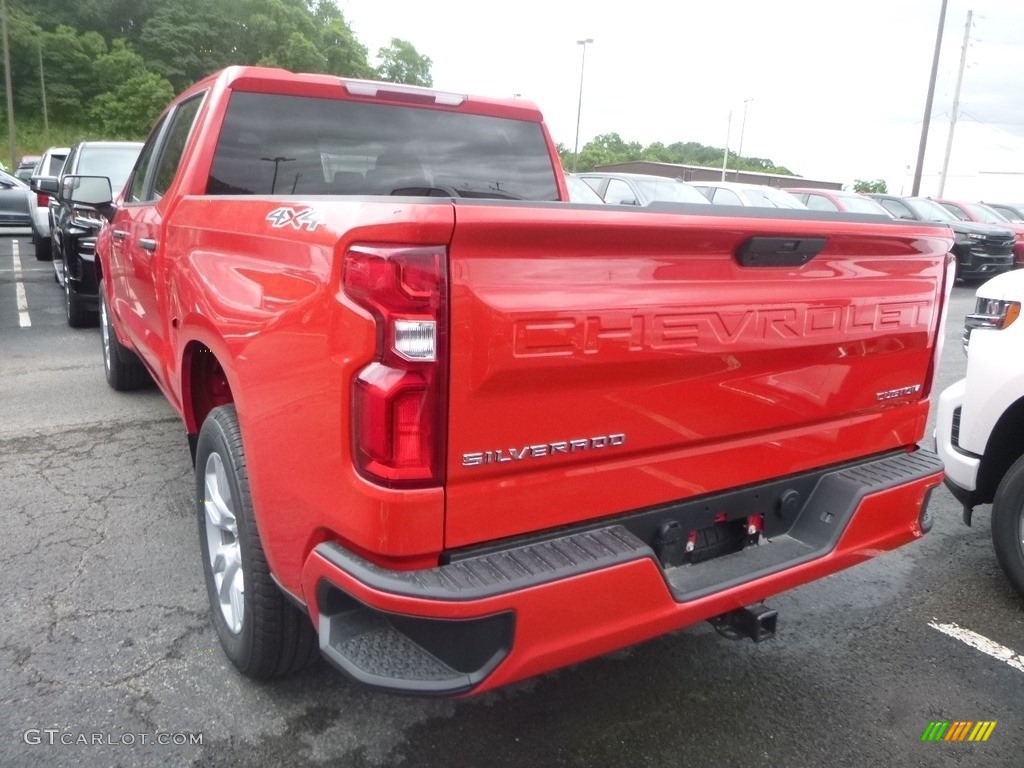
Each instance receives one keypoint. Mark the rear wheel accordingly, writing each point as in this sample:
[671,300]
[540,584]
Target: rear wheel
[120,365]
[261,632]
[43,247]
[1008,524]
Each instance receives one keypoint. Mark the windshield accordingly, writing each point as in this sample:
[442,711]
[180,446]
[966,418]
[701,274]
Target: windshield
[669,190]
[985,214]
[858,204]
[113,162]
[929,210]
[580,191]
[273,144]
[769,197]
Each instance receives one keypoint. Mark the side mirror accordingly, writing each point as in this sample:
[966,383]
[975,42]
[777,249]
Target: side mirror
[87,190]
[46,184]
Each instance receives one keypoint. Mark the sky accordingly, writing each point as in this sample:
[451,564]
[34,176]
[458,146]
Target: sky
[834,90]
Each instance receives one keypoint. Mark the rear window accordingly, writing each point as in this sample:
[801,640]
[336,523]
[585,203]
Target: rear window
[281,145]
[53,165]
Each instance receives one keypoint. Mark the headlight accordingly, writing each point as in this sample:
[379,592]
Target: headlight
[86,220]
[992,314]
[970,237]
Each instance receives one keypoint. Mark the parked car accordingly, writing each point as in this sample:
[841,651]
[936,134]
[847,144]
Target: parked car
[980,420]
[74,228]
[1012,211]
[981,250]
[15,202]
[580,191]
[48,168]
[836,200]
[747,195]
[26,167]
[984,214]
[641,189]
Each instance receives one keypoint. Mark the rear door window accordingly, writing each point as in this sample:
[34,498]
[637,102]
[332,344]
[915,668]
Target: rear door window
[273,144]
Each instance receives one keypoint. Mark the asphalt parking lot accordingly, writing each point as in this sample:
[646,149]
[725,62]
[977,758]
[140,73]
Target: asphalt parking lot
[107,657]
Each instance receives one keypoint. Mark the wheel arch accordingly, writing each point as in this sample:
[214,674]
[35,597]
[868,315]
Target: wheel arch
[206,383]
[1005,445]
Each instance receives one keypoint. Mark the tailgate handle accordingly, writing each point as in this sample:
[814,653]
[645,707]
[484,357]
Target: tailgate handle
[778,251]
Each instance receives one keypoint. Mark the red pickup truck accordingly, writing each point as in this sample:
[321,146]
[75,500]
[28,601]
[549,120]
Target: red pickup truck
[452,432]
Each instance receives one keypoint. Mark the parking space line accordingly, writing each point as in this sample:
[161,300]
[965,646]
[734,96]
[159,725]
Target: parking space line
[980,643]
[19,287]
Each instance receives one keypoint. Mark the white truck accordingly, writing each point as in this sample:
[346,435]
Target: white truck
[980,426]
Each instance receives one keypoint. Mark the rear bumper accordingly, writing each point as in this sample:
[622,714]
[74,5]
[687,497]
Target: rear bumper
[495,618]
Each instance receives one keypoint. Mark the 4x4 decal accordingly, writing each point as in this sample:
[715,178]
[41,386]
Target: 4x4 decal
[310,218]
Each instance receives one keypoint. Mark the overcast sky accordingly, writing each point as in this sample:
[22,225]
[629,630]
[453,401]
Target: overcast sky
[837,89]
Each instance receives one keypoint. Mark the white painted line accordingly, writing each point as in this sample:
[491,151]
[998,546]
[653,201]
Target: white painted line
[981,643]
[19,288]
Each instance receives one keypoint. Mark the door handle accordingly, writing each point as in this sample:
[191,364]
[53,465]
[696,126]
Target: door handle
[119,234]
[147,244]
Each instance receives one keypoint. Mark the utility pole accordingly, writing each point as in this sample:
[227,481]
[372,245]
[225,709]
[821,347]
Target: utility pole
[579,105]
[916,188]
[956,104]
[7,79]
[42,86]
[725,159]
[743,127]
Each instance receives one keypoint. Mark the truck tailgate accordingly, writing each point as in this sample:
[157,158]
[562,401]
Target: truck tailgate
[608,363]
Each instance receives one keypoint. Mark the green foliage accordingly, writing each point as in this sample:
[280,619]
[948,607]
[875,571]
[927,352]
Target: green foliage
[610,148]
[128,111]
[111,65]
[400,62]
[345,55]
[878,186]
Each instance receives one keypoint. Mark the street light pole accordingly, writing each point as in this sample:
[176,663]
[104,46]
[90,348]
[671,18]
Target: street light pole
[579,105]
[725,159]
[42,87]
[7,80]
[916,188]
[743,125]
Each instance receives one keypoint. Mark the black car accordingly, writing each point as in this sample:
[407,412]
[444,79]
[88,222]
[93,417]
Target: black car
[75,227]
[982,250]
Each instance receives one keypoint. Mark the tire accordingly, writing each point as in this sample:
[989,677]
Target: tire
[262,633]
[78,316]
[43,247]
[1008,524]
[121,366]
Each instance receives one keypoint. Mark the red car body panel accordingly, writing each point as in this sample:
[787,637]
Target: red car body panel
[637,340]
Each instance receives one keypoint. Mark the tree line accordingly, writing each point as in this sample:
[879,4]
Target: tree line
[611,148]
[108,67]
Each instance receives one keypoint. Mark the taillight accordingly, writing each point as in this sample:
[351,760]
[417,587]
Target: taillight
[940,330]
[398,400]
[42,200]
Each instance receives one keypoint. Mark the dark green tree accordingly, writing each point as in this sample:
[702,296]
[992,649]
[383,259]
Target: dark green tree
[129,111]
[186,40]
[400,62]
[345,55]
